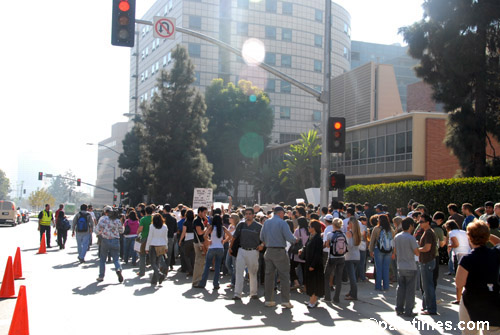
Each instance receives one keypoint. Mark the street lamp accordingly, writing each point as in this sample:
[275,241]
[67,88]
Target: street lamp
[105,146]
[114,178]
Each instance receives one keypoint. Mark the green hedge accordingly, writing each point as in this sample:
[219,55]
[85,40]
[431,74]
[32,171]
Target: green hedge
[434,194]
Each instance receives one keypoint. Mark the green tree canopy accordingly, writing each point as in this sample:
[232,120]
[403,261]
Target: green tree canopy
[4,186]
[458,45]
[239,129]
[39,198]
[302,165]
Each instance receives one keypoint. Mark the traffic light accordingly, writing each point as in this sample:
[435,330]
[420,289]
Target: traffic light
[40,175]
[121,195]
[78,182]
[336,134]
[337,180]
[114,197]
[123,23]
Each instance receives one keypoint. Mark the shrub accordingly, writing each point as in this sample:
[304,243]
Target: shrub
[434,194]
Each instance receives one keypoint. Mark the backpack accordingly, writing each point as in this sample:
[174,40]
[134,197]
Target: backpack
[339,213]
[385,242]
[82,224]
[338,244]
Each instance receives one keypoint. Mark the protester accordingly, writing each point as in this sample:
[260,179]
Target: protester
[352,256]
[337,243]
[215,251]
[427,259]
[82,225]
[234,219]
[62,224]
[200,248]
[313,276]
[156,247]
[302,233]
[274,235]
[143,229]
[478,274]
[109,228]
[406,248]
[381,248]
[130,234]
[186,242]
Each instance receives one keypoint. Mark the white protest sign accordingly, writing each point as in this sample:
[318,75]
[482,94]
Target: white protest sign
[202,197]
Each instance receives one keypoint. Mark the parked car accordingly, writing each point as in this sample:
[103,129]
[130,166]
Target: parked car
[8,213]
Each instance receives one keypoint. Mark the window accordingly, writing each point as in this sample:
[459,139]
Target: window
[157,66]
[355,55]
[286,34]
[194,49]
[169,57]
[346,53]
[153,69]
[381,149]
[194,22]
[389,147]
[347,29]
[287,8]
[197,78]
[146,75]
[286,87]
[271,6]
[242,28]
[165,60]
[170,4]
[285,113]
[270,58]
[271,32]
[286,137]
[242,4]
[318,41]
[318,15]
[286,60]
[142,77]
[271,85]
[147,51]
[318,65]
[152,92]
[316,115]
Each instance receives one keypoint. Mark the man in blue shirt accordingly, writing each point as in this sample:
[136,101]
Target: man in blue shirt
[274,235]
[467,210]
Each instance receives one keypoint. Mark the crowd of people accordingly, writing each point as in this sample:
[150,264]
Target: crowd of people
[308,248]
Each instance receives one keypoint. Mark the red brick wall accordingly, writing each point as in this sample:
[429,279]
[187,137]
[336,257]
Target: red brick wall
[440,163]
[419,97]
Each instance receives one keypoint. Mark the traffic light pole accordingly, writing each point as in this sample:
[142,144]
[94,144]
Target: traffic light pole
[48,175]
[323,97]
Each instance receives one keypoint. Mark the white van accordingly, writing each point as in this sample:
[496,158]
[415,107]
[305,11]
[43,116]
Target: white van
[8,212]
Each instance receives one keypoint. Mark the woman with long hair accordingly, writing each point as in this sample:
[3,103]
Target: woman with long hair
[301,232]
[234,219]
[186,242]
[381,248]
[352,256]
[313,276]
[215,251]
[156,247]
[130,234]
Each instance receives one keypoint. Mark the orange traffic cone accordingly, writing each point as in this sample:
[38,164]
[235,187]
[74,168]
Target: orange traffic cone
[18,268]
[8,290]
[43,248]
[19,324]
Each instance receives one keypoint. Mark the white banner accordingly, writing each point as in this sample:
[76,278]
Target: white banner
[202,197]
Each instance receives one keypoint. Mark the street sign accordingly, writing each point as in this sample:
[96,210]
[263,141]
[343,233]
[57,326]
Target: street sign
[164,27]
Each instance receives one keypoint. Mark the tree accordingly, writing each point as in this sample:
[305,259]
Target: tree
[458,43]
[174,123]
[302,165]
[39,198]
[63,187]
[265,179]
[134,180]
[239,129]
[4,186]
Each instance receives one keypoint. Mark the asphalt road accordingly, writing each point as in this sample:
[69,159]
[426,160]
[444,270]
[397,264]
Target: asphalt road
[64,298]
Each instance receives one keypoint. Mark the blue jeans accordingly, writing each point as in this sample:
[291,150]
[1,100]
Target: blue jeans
[230,264]
[82,242]
[429,294]
[218,254]
[361,268]
[351,267]
[382,262]
[405,295]
[113,247]
[129,250]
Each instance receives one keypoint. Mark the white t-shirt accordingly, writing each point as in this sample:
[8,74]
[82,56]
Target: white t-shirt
[463,241]
[328,230]
[216,241]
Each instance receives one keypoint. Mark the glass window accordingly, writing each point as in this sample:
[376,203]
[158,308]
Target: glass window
[286,60]
[286,34]
[348,152]
[271,32]
[389,147]
[317,115]
[286,87]
[242,4]
[242,28]
[355,55]
[318,65]
[169,57]
[372,150]
[363,149]
[287,8]
[271,85]
[380,148]
[271,6]
[194,49]
[318,15]
[270,58]
[355,150]
[194,22]
[165,60]
[318,41]
[346,53]
[409,142]
[285,113]
[400,143]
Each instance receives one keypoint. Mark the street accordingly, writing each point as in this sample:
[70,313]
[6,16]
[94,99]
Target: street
[64,298]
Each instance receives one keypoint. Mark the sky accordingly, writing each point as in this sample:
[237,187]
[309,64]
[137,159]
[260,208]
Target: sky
[63,84]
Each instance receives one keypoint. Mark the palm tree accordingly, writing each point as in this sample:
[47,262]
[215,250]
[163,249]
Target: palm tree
[302,165]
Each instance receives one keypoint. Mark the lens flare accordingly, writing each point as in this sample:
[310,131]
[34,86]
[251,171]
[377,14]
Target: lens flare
[251,145]
[253,51]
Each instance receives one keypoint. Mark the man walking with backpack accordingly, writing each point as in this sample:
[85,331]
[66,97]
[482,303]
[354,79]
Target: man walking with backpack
[337,242]
[83,226]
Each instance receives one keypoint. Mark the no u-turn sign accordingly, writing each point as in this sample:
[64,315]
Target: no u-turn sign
[164,27]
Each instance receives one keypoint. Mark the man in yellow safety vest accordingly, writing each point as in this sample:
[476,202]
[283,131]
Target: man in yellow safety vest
[45,219]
